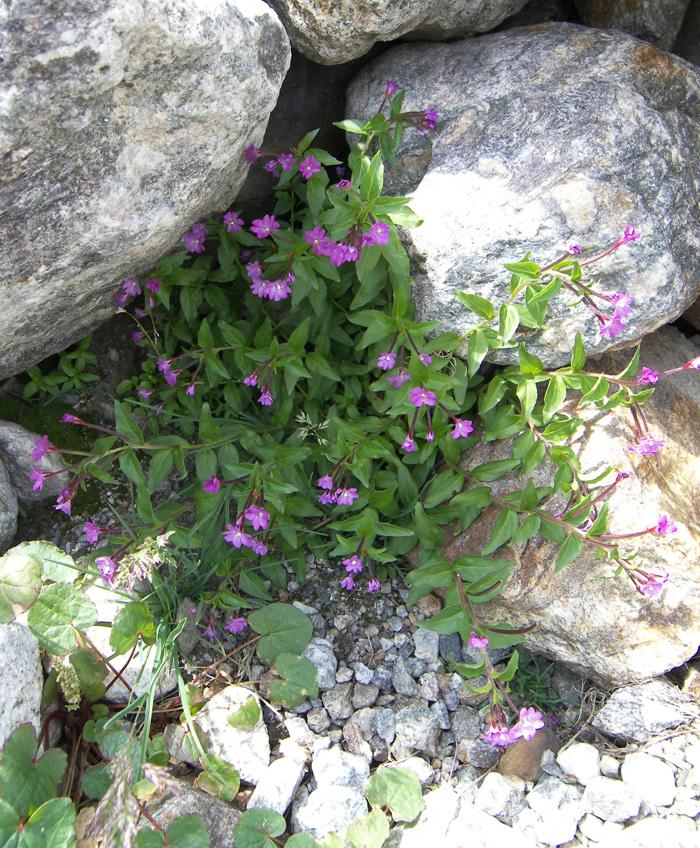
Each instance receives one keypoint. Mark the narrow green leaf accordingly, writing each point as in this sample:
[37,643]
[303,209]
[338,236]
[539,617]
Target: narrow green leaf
[478,305]
[568,551]
[505,525]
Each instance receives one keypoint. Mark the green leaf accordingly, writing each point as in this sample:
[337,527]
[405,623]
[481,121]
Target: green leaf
[299,675]
[188,831]
[373,180]
[370,831]
[508,321]
[631,367]
[552,531]
[476,351]
[527,270]
[568,551]
[51,826]
[131,468]
[489,471]
[20,584]
[247,715]
[478,305]
[399,789]
[301,840]
[600,525]
[508,673]
[530,365]
[133,620]
[126,426]
[26,782]
[527,395]
[159,467]
[209,430]
[58,612]
[57,566]
[219,777]
[578,354]
[442,488]
[88,667]
[96,781]
[496,390]
[284,628]
[430,535]
[505,525]
[554,397]
[255,828]
[530,526]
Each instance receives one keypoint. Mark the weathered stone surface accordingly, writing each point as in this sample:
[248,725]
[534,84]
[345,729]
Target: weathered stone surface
[524,758]
[547,135]
[219,817]
[331,33]
[541,12]
[655,21]
[604,628]
[8,509]
[21,679]
[16,446]
[687,44]
[123,122]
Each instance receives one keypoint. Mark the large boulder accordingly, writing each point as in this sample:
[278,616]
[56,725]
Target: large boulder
[655,21]
[331,33]
[603,628]
[687,44]
[547,135]
[122,122]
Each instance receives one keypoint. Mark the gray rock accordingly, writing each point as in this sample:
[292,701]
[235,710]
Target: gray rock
[426,644]
[318,720]
[402,679]
[559,807]
[422,770]
[219,817]
[362,673]
[688,42]
[607,90]
[441,807]
[636,713]
[337,701]
[246,748]
[385,724]
[651,778]
[8,510]
[581,761]
[334,767]
[476,752]
[429,687]
[320,653]
[475,828]
[655,21]
[328,810]
[123,124]
[364,695]
[441,714]
[21,680]
[466,723]
[338,32]
[611,800]
[300,732]
[417,729]
[382,678]
[498,797]
[654,832]
[16,446]
[450,643]
[277,785]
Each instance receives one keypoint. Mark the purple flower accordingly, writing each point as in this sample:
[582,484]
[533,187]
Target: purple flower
[251,379]
[266,398]
[530,722]
[353,565]
[500,736]
[575,249]
[63,501]
[325,482]
[318,239]
[252,153]
[654,585]
[628,235]
[271,165]
[309,166]
[425,358]
[422,397]
[348,583]
[409,445]
[254,270]
[647,446]
[278,290]
[92,532]
[386,361]
[258,517]
[37,476]
[232,222]
[190,390]
[194,243]
[107,567]
[120,300]
[41,448]
[265,226]
[286,160]
[343,184]
[345,497]
[612,326]
[326,498]
[462,428]
[212,485]
[237,537]
[211,632]
[137,335]
[199,230]
[430,118]
[259,287]
[153,285]
[131,286]
[259,548]
[430,435]
[171,377]
[139,313]
[648,376]
[380,232]
[235,624]
[367,240]
[391,87]
[373,585]
[352,254]
[289,279]
[480,642]
[336,253]
[145,393]
[694,363]
[665,525]
[71,419]
[397,380]
[623,304]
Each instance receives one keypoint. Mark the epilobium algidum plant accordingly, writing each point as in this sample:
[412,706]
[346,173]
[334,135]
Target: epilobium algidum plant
[303,407]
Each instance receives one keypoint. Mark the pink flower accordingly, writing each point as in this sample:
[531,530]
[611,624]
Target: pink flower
[373,585]
[391,87]
[232,222]
[251,380]
[326,498]
[499,735]
[137,335]
[386,361]
[665,525]
[480,642]
[348,583]
[145,393]
[409,445]
[41,448]
[462,429]
[425,358]
[654,585]
[366,240]
[694,363]
[343,184]
[259,548]
[271,166]
[612,326]
[397,380]
[309,166]
[212,485]
[265,226]
[623,304]
[325,482]
[235,624]
[318,240]
[107,567]
[345,497]
[575,249]
[71,419]
[266,398]
[211,632]
[353,565]
[380,232]
[194,243]
[237,537]
[647,446]
[278,290]
[258,517]
[63,501]
[530,722]
[252,153]
[92,532]
[422,397]
[153,285]
[37,476]
[648,376]
[190,390]
[131,286]
[628,235]
[286,160]
[120,300]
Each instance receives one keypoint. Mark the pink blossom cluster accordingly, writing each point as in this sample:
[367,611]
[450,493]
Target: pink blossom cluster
[236,534]
[349,250]
[353,566]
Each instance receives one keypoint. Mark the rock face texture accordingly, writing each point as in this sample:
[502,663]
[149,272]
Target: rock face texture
[122,122]
[21,679]
[331,33]
[655,21]
[604,628]
[547,135]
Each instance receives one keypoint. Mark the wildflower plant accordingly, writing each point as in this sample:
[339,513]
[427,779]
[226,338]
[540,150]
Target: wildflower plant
[290,387]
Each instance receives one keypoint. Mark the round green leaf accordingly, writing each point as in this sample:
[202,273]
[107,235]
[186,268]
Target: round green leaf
[256,826]
[9,837]
[370,831]
[399,789]
[89,669]
[133,620]
[57,565]
[299,680]
[96,781]
[284,629]
[25,782]
[57,613]
[247,715]
[188,831]
[51,826]
[219,778]
[20,584]
[301,840]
